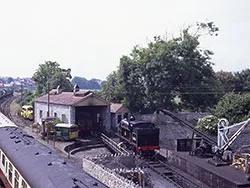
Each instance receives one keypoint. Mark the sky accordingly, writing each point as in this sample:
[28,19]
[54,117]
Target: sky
[90,36]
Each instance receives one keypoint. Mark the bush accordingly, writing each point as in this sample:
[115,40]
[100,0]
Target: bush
[208,124]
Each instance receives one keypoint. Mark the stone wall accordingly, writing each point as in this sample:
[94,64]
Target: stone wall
[188,116]
[106,176]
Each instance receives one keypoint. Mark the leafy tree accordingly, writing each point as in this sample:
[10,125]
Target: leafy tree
[196,80]
[234,107]
[243,80]
[50,72]
[226,80]
[112,89]
[152,77]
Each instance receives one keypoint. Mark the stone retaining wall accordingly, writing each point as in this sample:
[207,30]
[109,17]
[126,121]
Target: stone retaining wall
[188,116]
[106,176]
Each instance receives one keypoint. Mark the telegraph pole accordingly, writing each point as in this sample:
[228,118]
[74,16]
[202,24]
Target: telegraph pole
[48,101]
[48,116]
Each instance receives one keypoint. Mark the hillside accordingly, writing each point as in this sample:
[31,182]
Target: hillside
[83,83]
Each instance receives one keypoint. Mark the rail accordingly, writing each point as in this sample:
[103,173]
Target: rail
[113,145]
[172,175]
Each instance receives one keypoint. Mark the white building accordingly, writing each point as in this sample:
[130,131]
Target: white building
[85,109]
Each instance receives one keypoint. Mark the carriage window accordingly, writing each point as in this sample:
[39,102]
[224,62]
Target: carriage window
[10,172]
[3,159]
[6,167]
[16,179]
[24,185]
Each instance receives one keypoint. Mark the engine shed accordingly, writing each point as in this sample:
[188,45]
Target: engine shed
[84,108]
[118,112]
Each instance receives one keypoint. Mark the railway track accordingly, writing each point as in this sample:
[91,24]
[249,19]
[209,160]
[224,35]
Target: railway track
[170,173]
[5,106]
[113,145]
[173,175]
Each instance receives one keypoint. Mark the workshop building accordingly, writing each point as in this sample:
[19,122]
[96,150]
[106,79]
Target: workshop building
[86,109]
[118,112]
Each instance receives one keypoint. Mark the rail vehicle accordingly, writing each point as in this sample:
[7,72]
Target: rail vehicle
[65,131]
[27,112]
[26,163]
[141,136]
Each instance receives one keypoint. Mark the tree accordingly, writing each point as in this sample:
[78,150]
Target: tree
[234,107]
[112,90]
[196,82]
[226,80]
[243,80]
[50,72]
[152,77]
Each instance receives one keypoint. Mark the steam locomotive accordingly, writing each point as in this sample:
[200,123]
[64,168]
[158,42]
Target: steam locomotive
[140,136]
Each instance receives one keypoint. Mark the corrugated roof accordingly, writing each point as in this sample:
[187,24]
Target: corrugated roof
[68,98]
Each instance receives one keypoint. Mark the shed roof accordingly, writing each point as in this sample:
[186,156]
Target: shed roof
[70,98]
[118,107]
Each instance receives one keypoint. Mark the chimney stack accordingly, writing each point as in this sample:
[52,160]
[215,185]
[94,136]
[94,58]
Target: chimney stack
[58,89]
[76,89]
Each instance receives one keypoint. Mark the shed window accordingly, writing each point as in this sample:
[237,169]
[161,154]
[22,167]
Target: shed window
[40,113]
[55,114]
[64,118]
[119,118]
